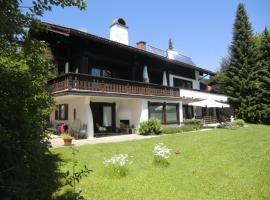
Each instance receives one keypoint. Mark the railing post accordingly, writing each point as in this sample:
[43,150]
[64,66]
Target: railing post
[70,81]
[75,82]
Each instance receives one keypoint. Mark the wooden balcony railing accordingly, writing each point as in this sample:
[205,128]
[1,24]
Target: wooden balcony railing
[84,82]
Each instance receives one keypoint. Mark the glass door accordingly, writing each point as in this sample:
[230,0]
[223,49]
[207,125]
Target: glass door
[103,118]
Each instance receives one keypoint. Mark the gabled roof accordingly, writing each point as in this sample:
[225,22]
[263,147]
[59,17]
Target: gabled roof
[70,31]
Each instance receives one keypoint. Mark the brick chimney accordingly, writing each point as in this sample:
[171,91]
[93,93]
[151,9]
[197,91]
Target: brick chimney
[141,45]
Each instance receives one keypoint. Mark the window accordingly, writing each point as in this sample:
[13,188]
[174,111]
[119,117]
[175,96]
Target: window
[171,112]
[61,112]
[182,83]
[156,110]
[96,71]
[107,116]
[187,112]
[167,113]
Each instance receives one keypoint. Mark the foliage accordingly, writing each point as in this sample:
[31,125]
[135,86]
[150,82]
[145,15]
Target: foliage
[241,83]
[238,159]
[178,129]
[228,125]
[264,65]
[239,122]
[66,136]
[225,63]
[170,45]
[245,73]
[151,126]
[26,101]
[28,170]
[197,123]
[75,177]
[16,18]
[117,165]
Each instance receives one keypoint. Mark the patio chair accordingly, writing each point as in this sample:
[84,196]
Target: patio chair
[83,131]
[75,128]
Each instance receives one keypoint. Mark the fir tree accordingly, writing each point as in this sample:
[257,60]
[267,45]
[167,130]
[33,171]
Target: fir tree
[170,44]
[264,65]
[242,83]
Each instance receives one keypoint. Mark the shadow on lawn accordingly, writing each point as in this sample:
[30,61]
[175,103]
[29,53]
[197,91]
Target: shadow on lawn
[70,195]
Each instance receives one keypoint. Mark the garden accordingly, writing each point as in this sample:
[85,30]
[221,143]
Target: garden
[225,163]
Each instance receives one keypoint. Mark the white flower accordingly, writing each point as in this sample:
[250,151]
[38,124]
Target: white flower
[118,159]
[161,150]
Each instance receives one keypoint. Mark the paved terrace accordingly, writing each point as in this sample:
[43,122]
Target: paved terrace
[57,141]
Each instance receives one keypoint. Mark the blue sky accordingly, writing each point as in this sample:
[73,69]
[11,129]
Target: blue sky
[199,29]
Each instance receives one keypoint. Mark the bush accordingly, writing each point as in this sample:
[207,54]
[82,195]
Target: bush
[150,127]
[178,129]
[239,122]
[197,123]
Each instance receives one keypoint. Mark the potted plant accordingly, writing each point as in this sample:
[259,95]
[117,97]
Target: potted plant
[67,139]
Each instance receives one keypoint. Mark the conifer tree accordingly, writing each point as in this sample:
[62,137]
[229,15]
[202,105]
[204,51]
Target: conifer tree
[242,83]
[264,66]
[170,47]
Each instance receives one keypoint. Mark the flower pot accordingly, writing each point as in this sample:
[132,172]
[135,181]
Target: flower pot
[67,142]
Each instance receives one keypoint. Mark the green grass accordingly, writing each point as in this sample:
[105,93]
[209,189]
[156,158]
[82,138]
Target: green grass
[217,164]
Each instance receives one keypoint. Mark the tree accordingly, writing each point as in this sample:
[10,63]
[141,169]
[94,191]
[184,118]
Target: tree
[28,169]
[264,70]
[225,63]
[220,76]
[170,46]
[241,78]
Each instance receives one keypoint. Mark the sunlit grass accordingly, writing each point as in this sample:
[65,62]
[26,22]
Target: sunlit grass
[217,164]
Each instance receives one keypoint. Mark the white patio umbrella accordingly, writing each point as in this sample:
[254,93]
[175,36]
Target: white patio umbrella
[210,103]
[145,74]
[164,79]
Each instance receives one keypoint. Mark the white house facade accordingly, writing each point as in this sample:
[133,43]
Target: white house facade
[106,86]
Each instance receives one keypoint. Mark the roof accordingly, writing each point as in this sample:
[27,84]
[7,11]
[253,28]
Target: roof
[70,31]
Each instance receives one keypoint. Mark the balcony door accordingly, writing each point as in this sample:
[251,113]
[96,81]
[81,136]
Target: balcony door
[103,118]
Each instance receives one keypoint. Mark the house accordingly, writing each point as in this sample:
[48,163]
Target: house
[109,86]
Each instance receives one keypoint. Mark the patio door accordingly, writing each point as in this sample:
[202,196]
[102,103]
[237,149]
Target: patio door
[103,118]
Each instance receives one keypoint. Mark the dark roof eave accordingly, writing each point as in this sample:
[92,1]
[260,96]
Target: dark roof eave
[78,33]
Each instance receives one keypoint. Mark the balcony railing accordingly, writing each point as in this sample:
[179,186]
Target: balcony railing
[87,83]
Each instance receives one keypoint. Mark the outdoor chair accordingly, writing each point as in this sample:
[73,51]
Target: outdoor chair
[75,128]
[83,131]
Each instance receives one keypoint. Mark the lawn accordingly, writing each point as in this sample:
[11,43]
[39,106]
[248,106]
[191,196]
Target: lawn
[217,164]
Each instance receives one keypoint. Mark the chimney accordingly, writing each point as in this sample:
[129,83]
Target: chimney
[141,45]
[119,31]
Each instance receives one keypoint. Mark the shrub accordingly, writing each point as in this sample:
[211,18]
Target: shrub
[150,127]
[117,165]
[161,154]
[197,123]
[178,129]
[239,122]
[228,125]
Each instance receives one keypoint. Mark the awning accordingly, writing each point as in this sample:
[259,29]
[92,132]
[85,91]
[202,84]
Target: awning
[210,103]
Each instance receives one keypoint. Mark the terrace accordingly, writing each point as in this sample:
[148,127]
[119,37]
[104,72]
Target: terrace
[73,82]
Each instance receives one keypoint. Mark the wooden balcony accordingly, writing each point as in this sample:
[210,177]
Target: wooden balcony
[72,82]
